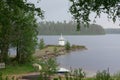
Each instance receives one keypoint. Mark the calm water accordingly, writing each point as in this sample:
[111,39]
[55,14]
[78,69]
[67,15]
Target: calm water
[103,52]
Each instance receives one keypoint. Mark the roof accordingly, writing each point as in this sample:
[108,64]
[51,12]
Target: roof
[62,70]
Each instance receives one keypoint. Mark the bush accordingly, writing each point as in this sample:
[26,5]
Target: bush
[116,76]
[76,74]
[0,76]
[67,46]
[104,75]
[55,50]
[41,44]
[49,67]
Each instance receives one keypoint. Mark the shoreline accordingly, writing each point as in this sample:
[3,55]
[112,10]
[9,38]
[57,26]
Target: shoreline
[48,51]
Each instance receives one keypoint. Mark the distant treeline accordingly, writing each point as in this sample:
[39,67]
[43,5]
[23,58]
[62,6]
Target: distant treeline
[52,28]
[112,31]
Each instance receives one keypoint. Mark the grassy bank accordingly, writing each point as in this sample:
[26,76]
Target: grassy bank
[17,69]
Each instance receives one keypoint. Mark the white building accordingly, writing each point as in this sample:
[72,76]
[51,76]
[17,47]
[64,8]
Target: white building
[61,41]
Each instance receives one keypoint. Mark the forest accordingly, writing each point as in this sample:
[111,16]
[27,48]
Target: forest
[68,28]
[112,31]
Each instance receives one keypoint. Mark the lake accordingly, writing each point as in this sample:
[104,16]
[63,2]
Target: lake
[103,52]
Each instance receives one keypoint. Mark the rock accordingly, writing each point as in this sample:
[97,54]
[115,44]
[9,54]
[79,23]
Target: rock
[38,66]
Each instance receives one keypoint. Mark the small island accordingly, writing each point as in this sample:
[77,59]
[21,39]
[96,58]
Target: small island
[55,50]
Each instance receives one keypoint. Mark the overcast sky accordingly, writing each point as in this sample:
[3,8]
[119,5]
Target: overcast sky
[58,10]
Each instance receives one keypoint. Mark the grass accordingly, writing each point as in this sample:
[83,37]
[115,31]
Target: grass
[51,48]
[11,70]
[89,79]
[17,69]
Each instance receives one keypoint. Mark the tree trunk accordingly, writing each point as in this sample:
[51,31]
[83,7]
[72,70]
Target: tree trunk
[4,53]
[1,57]
[18,58]
[4,42]
[17,53]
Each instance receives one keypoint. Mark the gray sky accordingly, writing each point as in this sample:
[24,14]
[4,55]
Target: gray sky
[58,10]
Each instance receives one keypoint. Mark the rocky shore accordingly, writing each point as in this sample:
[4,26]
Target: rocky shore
[56,50]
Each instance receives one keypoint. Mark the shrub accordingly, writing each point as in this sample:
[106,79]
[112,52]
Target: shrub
[49,67]
[0,76]
[76,74]
[116,76]
[55,50]
[41,44]
[67,46]
[104,75]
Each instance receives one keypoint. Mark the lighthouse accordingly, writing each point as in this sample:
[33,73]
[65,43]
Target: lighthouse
[61,41]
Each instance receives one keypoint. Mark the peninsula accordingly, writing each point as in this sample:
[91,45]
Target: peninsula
[56,50]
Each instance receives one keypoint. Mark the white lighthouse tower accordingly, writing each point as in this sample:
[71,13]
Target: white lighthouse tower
[61,41]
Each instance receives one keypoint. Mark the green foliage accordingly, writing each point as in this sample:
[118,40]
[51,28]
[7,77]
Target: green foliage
[112,31]
[104,75]
[55,79]
[91,78]
[55,50]
[6,77]
[76,74]
[41,44]
[67,46]
[117,76]
[49,67]
[81,9]
[18,69]
[18,29]
[52,28]
[24,36]
[0,76]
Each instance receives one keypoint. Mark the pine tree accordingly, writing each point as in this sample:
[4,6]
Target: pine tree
[41,44]
[67,46]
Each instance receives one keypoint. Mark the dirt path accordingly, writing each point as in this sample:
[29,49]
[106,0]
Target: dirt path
[29,76]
